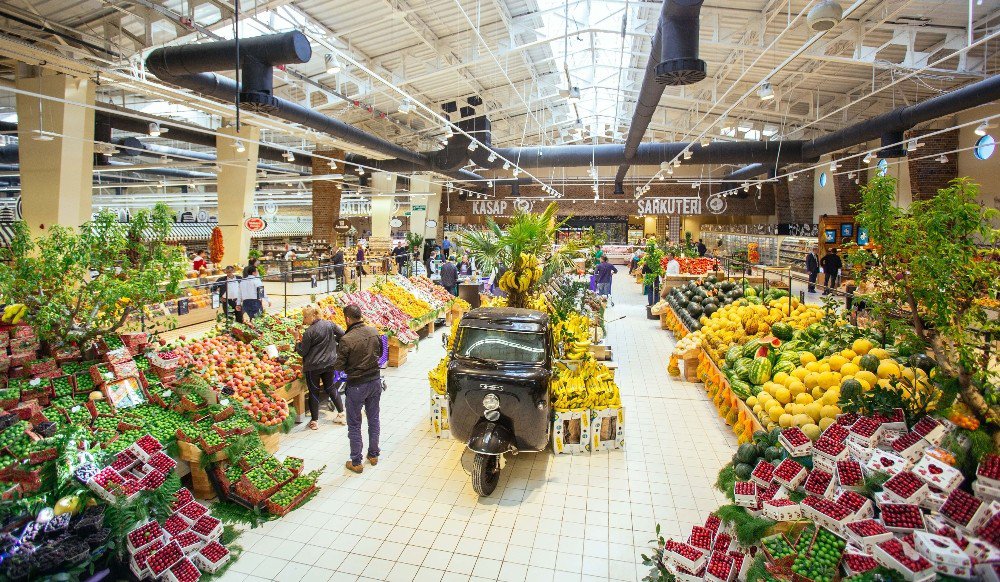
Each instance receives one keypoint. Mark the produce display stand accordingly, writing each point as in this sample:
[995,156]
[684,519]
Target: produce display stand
[397,352]
[192,456]
[294,393]
[668,282]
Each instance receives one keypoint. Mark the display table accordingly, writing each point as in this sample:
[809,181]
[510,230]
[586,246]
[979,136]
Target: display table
[191,455]
[668,282]
[294,393]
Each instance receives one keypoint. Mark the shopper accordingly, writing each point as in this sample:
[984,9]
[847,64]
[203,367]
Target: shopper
[831,264]
[338,267]
[465,267]
[446,247]
[673,266]
[633,263]
[401,255]
[702,249]
[199,262]
[449,277]
[318,347]
[227,288]
[359,256]
[357,356]
[252,295]
[812,267]
[602,277]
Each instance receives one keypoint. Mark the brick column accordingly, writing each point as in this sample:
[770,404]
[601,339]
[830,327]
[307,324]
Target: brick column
[928,175]
[800,197]
[848,193]
[782,202]
[326,195]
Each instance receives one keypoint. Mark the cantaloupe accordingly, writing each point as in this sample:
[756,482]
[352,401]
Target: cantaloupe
[806,358]
[803,399]
[861,346]
[782,395]
[888,368]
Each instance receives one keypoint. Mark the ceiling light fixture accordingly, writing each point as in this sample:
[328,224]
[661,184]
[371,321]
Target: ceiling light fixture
[572,94]
[868,158]
[705,142]
[677,163]
[448,132]
[983,128]
[670,170]
[405,107]
[825,15]
[516,171]
[154,129]
[850,175]
[332,64]
[765,92]
[943,159]
[834,165]
[361,171]
[659,176]
[688,153]
[489,183]
[289,156]
[912,145]
[240,148]
[506,165]
[472,146]
[492,157]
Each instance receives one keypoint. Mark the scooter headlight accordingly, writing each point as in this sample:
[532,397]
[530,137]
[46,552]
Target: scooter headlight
[491,402]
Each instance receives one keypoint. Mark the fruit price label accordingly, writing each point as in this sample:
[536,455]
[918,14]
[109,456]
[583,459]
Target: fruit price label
[183,307]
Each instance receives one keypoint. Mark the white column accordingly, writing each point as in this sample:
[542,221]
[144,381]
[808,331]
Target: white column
[434,211]
[236,184]
[382,183]
[56,141]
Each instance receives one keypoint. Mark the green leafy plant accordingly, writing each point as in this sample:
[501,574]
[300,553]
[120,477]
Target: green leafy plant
[931,282]
[81,284]
[749,529]
[652,260]
[414,240]
[655,561]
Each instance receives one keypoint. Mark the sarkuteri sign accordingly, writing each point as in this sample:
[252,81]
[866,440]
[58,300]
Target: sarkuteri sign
[671,205]
[490,207]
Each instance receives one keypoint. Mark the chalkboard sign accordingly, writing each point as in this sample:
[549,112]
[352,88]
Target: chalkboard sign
[183,307]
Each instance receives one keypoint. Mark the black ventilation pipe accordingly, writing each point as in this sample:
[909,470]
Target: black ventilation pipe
[191,66]
[890,125]
[673,60]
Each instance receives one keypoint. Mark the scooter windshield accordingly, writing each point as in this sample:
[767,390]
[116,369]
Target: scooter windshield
[501,345]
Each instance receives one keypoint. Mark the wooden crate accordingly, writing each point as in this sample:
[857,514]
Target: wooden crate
[397,354]
[663,321]
[601,353]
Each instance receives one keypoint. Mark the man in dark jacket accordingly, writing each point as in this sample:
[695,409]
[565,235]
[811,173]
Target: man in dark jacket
[338,266]
[812,267]
[831,264]
[401,255]
[227,288]
[702,249]
[449,276]
[318,348]
[602,277]
[357,356]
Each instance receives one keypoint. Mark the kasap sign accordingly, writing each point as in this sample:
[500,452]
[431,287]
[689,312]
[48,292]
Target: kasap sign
[490,207]
[674,205]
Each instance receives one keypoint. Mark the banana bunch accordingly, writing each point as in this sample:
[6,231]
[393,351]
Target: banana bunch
[522,276]
[439,376]
[590,385]
[14,313]
[573,334]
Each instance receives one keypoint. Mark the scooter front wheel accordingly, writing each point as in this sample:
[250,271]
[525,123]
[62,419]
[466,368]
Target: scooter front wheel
[485,474]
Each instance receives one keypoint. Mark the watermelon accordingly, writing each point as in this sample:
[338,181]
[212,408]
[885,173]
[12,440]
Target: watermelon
[869,362]
[754,300]
[850,389]
[741,367]
[784,366]
[741,388]
[732,355]
[750,292]
[742,471]
[747,453]
[759,371]
[750,348]
[923,362]
[773,453]
[782,331]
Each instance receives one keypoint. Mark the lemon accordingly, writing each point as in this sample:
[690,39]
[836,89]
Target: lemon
[824,423]
[812,431]
[850,369]
[836,361]
[806,358]
[861,346]
[829,411]
[888,368]
[782,395]
[785,420]
[803,399]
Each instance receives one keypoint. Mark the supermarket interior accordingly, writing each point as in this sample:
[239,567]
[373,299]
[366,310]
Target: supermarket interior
[499,290]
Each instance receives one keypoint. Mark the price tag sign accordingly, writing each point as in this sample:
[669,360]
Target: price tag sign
[260,293]
[224,402]
[75,408]
[183,306]
[215,301]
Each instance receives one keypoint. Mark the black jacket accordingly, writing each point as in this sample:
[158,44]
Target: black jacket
[318,346]
[831,263]
[338,261]
[449,274]
[358,354]
[812,263]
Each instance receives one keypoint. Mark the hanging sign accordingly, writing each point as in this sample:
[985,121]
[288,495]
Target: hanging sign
[255,224]
[490,207]
[418,208]
[674,205]
[341,226]
[202,216]
[183,307]
[395,223]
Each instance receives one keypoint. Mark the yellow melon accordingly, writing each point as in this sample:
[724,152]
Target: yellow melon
[848,354]
[801,419]
[806,358]
[824,423]
[780,378]
[818,392]
[812,431]
[757,409]
[836,361]
[827,380]
[814,367]
[861,346]
[796,388]
[803,399]
[775,413]
[824,367]
[790,408]
[785,420]
[850,369]
[832,396]
[752,401]
[812,380]
[864,376]
[814,410]
[888,368]
[800,373]
[829,411]
[880,353]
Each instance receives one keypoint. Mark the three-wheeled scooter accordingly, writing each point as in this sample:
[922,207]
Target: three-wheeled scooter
[498,387]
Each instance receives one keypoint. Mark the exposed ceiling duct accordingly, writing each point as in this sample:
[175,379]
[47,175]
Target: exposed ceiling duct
[673,60]
[889,126]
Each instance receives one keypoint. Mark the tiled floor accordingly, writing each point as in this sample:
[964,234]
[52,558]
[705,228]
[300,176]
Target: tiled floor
[588,517]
